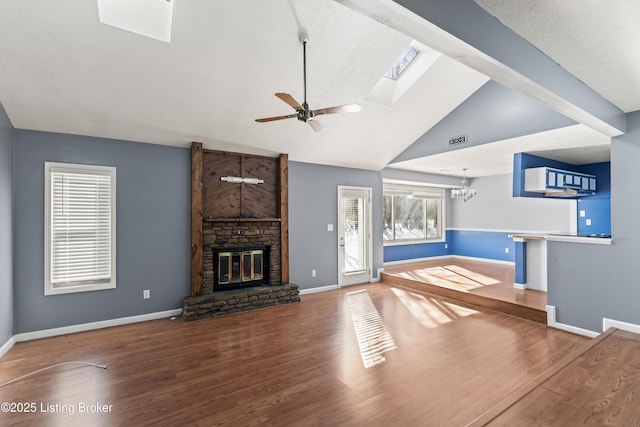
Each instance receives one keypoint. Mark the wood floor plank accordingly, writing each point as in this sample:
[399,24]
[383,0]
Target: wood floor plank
[485,284]
[297,364]
[599,388]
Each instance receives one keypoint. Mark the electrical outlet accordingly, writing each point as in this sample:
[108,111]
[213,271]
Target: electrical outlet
[588,221]
[506,250]
[313,273]
[446,246]
[583,213]
[329,227]
[146,294]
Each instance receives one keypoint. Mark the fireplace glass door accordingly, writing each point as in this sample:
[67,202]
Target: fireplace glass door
[238,267]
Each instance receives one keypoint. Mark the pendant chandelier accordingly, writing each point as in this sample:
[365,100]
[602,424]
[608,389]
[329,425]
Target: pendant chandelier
[465,193]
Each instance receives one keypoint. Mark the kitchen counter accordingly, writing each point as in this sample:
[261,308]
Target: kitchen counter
[593,239]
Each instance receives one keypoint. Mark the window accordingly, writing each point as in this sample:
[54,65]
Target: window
[413,214]
[79,228]
[402,62]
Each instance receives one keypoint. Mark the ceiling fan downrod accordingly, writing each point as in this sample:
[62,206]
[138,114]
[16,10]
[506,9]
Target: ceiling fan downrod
[303,112]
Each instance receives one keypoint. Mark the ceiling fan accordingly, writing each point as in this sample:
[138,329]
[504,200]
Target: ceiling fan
[303,113]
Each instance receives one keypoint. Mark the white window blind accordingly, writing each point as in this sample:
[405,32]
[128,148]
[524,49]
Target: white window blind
[81,225]
[354,234]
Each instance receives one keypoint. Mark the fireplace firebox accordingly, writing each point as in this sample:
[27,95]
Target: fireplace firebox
[240,268]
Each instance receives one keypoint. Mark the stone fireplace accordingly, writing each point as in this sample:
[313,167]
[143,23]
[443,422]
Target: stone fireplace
[239,233]
[236,238]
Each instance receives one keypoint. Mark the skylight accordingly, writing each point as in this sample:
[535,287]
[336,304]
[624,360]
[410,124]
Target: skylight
[401,64]
[405,71]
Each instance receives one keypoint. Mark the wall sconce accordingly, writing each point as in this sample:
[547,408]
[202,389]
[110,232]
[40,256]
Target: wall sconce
[240,180]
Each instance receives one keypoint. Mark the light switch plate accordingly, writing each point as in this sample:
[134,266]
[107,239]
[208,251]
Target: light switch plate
[583,213]
[329,227]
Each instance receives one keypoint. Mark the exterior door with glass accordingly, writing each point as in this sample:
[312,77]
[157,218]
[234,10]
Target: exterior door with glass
[354,235]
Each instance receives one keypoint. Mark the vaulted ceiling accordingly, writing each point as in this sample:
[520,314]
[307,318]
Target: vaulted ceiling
[61,70]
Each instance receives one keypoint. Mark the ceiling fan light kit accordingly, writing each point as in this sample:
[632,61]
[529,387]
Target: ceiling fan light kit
[303,112]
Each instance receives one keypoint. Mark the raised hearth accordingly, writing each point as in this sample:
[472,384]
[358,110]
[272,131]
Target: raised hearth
[238,300]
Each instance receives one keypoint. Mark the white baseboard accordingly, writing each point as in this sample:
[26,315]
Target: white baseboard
[495,261]
[435,258]
[318,289]
[7,346]
[610,323]
[551,322]
[408,261]
[520,285]
[28,336]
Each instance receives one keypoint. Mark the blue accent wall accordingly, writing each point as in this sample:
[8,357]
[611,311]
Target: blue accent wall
[599,212]
[418,250]
[602,171]
[520,257]
[468,243]
[482,244]
[522,161]
[6,228]
[597,207]
[153,222]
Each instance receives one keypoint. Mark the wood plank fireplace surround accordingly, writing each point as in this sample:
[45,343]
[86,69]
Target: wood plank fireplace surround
[239,233]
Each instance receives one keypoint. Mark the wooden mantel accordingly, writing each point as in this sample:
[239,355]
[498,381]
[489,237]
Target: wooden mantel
[216,201]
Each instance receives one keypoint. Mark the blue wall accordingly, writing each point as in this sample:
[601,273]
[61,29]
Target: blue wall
[468,243]
[6,228]
[597,207]
[522,161]
[418,250]
[482,244]
[153,220]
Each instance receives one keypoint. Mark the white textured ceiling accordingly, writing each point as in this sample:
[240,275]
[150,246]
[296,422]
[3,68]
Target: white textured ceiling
[597,41]
[63,71]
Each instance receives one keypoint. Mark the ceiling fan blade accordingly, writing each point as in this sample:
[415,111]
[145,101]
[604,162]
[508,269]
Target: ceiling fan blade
[316,125]
[272,119]
[349,108]
[289,100]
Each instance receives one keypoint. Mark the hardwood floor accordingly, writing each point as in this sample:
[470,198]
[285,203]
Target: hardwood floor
[432,362]
[485,284]
[599,387]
